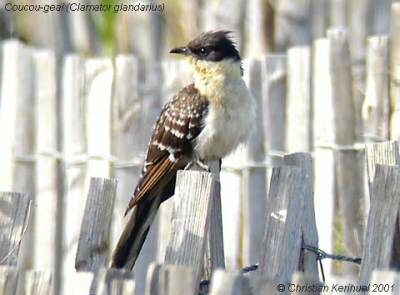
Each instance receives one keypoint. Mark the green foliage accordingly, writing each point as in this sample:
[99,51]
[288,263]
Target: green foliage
[106,27]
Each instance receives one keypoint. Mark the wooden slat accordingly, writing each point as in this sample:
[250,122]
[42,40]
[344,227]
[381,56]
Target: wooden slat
[229,283]
[73,146]
[308,224]
[350,188]
[386,153]
[95,229]
[254,179]
[82,283]
[14,215]
[153,273]
[394,70]
[382,219]
[305,280]
[375,109]
[282,242]
[38,282]
[190,219]
[260,285]
[323,135]
[298,100]
[8,280]
[273,109]
[46,218]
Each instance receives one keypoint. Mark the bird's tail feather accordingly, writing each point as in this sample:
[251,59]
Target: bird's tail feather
[134,234]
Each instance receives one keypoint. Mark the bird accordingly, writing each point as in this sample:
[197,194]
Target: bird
[205,121]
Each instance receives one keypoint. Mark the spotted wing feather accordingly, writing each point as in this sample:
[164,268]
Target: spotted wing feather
[170,147]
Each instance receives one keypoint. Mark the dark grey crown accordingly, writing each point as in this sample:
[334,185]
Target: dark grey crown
[214,46]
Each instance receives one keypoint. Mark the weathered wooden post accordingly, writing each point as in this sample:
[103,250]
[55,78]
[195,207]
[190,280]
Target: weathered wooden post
[47,223]
[37,282]
[375,109]
[323,137]
[381,226]
[298,100]
[93,246]
[74,166]
[274,74]
[190,221]
[8,280]
[394,70]
[254,172]
[14,223]
[348,162]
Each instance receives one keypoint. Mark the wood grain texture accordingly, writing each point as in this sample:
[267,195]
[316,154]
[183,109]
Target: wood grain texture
[375,109]
[282,241]
[93,244]
[38,282]
[348,162]
[308,260]
[298,100]
[13,224]
[382,219]
[192,208]
[8,280]
[229,283]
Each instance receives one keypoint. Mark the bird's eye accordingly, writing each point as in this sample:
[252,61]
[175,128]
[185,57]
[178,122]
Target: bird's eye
[203,51]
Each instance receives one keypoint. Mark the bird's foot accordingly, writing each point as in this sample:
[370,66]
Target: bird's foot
[198,163]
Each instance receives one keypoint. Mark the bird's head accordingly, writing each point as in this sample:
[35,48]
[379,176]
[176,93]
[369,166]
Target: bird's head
[211,46]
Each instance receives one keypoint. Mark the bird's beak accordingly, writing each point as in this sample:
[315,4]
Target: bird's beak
[180,50]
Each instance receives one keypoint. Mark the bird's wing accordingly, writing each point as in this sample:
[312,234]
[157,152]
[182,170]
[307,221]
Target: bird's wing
[170,147]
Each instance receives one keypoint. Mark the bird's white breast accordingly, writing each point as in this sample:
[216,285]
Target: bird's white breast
[231,110]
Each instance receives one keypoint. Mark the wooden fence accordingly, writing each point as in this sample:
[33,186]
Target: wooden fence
[66,120]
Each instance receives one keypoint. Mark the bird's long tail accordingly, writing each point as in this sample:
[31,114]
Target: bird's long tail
[134,234]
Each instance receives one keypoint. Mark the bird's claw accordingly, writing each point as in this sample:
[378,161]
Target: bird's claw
[198,163]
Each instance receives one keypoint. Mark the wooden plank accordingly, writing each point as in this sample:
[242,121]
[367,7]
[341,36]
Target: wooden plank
[229,283]
[17,127]
[386,153]
[98,89]
[254,185]
[394,66]
[274,105]
[375,109]
[308,260]
[282,241]
[8,280]
[190,219]
[14,215]
[323,135]
[387,282]
[153,273]
[298,100]
[38,282]
[214,256]
[82,283]
[95,229]
[382,218]
[348,162]
[73,147]
[46,221]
